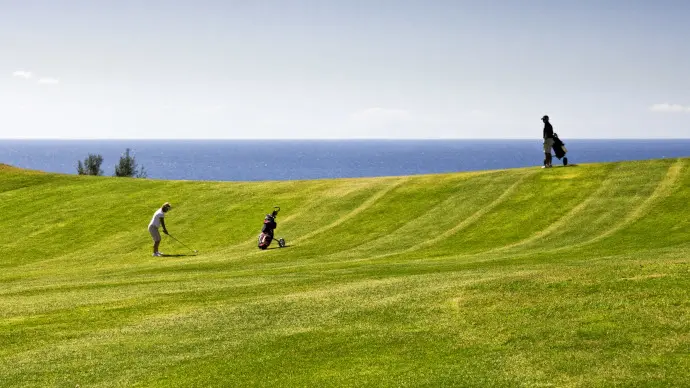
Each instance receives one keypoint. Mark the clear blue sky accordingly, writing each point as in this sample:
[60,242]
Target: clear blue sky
[344,68]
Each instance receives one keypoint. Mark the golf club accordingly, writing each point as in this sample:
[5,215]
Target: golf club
[173,237]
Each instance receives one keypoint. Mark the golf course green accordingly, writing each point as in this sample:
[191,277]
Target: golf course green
[574,276]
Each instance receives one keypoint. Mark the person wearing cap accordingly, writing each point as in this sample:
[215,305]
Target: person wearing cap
[158,221]
[548,141]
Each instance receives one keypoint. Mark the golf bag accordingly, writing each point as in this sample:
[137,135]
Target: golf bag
[266,236]
[559,149]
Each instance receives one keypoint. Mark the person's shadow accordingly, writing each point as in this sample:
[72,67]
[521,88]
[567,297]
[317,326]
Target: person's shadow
[176,255]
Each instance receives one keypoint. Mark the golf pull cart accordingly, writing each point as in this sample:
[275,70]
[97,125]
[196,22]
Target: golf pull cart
[266,236]
[559,149]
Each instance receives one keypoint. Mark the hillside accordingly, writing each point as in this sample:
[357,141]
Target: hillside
[575,276]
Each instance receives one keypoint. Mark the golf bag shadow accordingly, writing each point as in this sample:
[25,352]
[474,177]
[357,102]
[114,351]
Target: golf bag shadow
[266,235]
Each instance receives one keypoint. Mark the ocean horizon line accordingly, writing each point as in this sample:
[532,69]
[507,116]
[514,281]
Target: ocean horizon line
[344,139]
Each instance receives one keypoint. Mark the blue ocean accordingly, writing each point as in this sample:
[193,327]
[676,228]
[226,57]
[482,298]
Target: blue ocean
[254,160]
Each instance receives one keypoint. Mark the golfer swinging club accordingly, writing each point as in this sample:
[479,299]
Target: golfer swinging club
[156,222]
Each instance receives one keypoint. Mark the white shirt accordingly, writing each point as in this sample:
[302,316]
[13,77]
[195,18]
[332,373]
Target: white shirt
[157,217]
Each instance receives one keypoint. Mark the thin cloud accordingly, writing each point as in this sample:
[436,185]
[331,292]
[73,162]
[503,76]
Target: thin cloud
[27,75]
[49,81]
[22,74]
[209,109]
[479,113]
[381,114]
[672,108]
[381,122]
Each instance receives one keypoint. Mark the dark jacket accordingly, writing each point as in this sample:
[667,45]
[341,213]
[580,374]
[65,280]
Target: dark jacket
[548,130]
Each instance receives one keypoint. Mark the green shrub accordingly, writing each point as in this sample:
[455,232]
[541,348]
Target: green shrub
[91,165]
[127,167]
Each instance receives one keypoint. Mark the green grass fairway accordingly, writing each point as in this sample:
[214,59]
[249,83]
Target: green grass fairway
[569,277]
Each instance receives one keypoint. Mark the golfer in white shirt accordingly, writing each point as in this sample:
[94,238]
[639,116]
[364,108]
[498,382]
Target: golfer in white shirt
[156,222]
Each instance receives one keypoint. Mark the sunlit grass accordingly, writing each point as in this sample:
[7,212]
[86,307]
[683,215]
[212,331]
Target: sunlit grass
[576,276]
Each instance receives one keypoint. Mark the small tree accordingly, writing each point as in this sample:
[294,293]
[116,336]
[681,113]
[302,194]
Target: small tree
[91,165]
[128,167]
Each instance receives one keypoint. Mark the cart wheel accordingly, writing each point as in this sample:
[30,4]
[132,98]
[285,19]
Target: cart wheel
[565,161]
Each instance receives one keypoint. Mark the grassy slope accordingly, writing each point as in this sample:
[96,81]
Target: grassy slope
[567,277]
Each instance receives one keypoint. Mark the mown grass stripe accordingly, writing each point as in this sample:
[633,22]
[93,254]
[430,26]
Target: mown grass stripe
[366,204]
[662,190]
[604,186]
[386,240]
[472,218]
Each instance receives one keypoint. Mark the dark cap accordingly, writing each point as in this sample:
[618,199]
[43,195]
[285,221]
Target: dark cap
[545,117]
